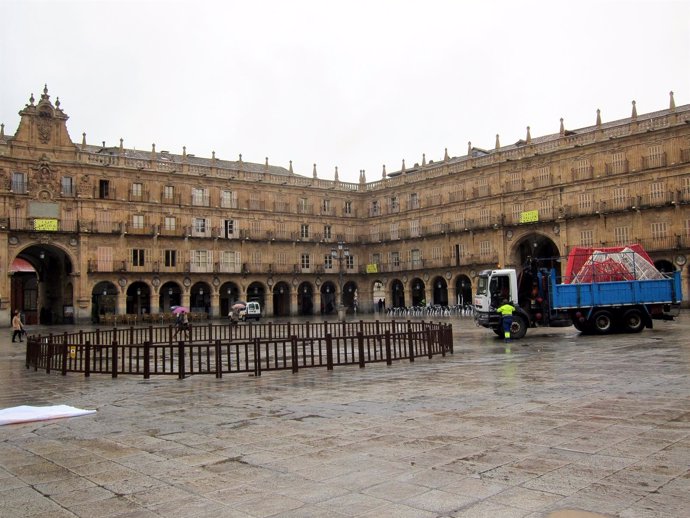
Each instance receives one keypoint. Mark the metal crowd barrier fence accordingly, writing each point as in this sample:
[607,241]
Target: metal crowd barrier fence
[227,349]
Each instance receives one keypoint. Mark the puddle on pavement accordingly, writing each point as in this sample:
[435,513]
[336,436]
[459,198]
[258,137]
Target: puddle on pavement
[574,513]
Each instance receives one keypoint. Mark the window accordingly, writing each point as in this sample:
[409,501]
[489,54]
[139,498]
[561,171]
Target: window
[414,201]
[585,201]
[686,185]
[104,256]
[168,192]
[229,229]
[104,221]
[374,208]
[18,183]
[347,209]
[414,228]
[395,204]
[514,181]
[326,206]
[436,253]
[485,248]
[395,259]
[305,261]
[483,186]
[657,191]
[543,176]
[200,260]
[376,258]
[582,169]
[546,207]
[459,252]
[138,221]
[415,258]
[394,231]
[255,226]
[374,233]
[228,199]
[67,186]
[350,262]
[170,258]
[620,196]
[199,196]
[484,217]
[621,235]
[303,206]
[169,223]
[328,262]
[659,229]
[460,222]
[620,164]
[327,232]
[656,157]
[304,231]
[136,190]
[200,227]
[255,202]
[103,189]
[256,257]
[517,211]
[138,257]
[586,238]
[230,261]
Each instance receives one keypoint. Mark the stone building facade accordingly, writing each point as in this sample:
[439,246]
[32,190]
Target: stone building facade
[90,231]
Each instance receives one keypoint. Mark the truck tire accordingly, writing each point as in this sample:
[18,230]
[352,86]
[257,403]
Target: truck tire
[584,327]
[518,329]
[602,322]
[633,321]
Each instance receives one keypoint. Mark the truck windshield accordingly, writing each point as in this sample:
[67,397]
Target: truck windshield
[483,285]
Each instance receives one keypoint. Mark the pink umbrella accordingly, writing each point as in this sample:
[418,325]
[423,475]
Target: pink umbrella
[180,309]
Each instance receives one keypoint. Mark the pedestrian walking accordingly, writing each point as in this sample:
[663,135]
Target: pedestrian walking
[506,312]
[17,326]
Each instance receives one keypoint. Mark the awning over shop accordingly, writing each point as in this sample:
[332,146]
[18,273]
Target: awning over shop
[21,265]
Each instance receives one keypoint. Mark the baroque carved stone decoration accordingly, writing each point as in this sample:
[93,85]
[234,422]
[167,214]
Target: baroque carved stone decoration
[45,178]
[84,186]
[44,127]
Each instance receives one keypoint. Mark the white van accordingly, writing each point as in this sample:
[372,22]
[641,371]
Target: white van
[252,310]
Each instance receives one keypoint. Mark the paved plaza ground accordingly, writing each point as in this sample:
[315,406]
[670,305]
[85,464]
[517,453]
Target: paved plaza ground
[555,422]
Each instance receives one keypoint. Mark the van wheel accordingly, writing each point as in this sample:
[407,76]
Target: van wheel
[602,322]
[633,321]
[518,328]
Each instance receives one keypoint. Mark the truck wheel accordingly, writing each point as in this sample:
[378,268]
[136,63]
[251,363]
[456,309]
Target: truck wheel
[602,322]
[633,321]
[584,327]
[518,329]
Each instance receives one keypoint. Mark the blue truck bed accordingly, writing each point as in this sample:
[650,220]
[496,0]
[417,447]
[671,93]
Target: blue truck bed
[618,293]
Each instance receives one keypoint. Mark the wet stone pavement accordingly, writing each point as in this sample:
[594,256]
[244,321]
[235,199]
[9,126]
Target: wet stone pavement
[555,422]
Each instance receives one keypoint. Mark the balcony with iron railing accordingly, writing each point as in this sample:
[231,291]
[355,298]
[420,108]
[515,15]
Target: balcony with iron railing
[654,161]
[617,167]
[581,173]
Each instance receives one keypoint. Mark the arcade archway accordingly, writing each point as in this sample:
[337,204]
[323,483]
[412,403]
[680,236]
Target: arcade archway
[281,299]
[328,298]
[41,285]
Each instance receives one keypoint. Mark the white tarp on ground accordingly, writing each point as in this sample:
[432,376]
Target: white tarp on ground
[25,414]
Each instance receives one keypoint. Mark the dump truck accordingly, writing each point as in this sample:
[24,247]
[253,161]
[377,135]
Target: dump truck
[603,291]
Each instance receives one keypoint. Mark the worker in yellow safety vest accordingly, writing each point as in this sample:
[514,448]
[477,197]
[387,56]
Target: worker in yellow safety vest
[506,312]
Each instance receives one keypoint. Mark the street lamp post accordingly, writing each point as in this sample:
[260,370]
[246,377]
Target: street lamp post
[340,253]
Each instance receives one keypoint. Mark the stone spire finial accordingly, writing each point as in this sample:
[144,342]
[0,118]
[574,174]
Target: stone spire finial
[314,171]
[403,166]
[469,148]
[383,174]
[2,130]
[291,171]
[31,100]
[562,130]
[266,161]
[598,117]
[445,155]
[634,111]
[122,145]
[153,148]
[498,141]
[336,174]
[528,139]
[363,179]
[213,156]
[184,151]
[57,103]
[672,102]
[423,159]
[83,140]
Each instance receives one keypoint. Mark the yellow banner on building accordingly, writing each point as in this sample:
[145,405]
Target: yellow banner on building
[373,268]
[530,216]
[46,225]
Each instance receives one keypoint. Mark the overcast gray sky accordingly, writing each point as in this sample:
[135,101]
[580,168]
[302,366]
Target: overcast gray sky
[354,84]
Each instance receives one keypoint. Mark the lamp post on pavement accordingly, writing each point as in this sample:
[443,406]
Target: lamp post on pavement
[340,253]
